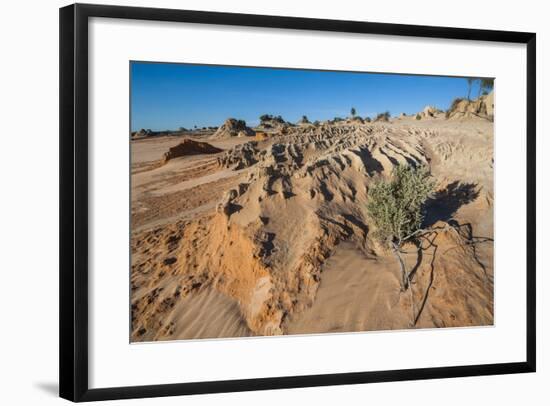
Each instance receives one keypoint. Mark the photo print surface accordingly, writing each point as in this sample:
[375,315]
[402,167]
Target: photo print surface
[273,201]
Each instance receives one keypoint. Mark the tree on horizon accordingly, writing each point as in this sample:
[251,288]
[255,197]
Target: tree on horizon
[470,82]
[353,111]
[485,85]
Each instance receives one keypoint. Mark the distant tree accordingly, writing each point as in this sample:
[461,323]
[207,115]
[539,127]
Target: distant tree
[316,123]
[304,119]
[337,119]
[470,82]
[368,119]
[385,116]
[353,111]
[485,85]
[418,117]
[182,129]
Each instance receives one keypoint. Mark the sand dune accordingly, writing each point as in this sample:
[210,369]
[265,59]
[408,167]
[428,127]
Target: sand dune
[271,236]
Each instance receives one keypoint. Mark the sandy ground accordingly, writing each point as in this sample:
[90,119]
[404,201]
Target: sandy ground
[271,236]
[342,302]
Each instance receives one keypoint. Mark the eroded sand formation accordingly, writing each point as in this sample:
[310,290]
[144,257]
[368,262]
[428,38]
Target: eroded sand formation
[271,236]
[190,147]
[233,128]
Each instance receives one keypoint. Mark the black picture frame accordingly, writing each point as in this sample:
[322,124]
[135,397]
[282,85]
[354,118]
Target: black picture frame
[73,281]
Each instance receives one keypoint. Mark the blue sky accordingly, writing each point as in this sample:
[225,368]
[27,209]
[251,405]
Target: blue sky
[168,96]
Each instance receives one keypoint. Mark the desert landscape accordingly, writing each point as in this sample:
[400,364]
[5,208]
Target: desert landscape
[255,231]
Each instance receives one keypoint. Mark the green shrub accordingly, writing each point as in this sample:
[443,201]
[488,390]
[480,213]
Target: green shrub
[418,116]
[395,206]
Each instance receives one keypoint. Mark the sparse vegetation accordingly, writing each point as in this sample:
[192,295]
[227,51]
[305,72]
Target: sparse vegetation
[304,119]
[418,116]
[367,119]
[266,118]
[385,116]
[353,111]
[395,208]
[485,86]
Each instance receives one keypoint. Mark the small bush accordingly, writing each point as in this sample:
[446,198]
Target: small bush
[418,116]
[266,117]
[395,206]
[385,116]
[269,117]
[367,119]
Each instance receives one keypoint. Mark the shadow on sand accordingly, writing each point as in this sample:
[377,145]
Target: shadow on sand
[445,203]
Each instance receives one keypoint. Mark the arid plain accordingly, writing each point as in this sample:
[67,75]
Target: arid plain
[240,231]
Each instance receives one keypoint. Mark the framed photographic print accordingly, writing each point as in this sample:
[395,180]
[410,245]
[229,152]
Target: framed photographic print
[256,202]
